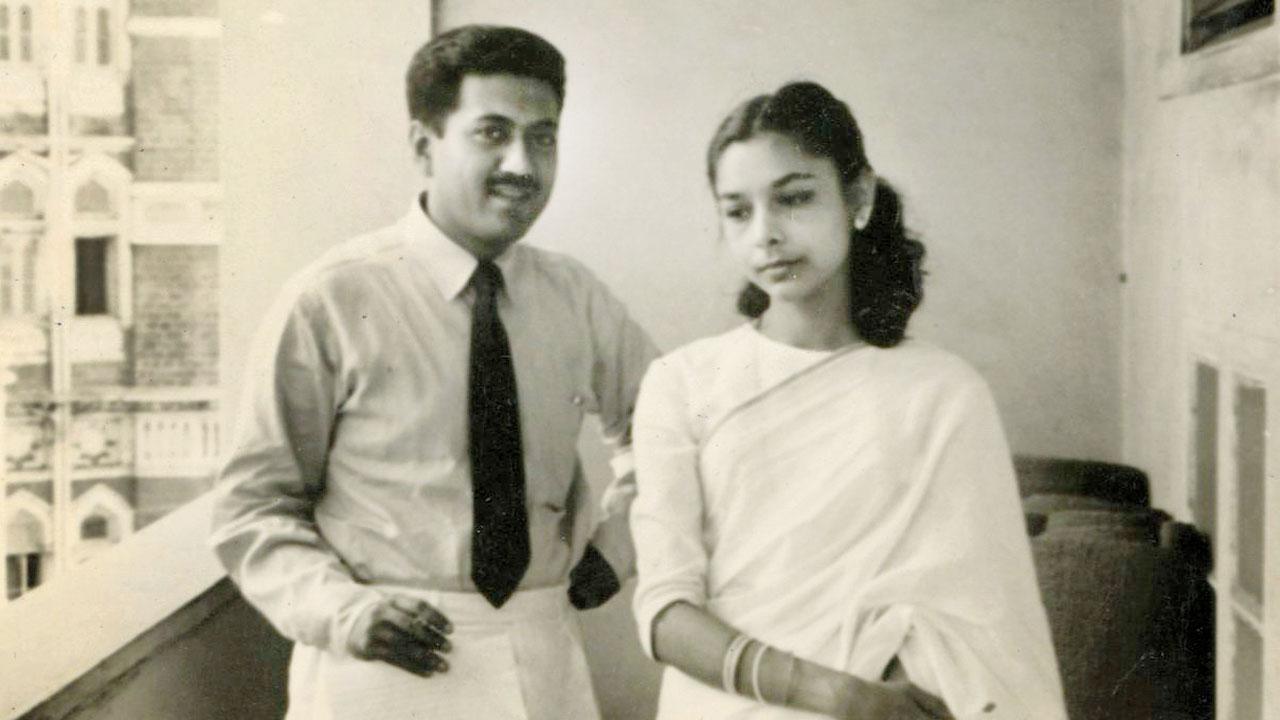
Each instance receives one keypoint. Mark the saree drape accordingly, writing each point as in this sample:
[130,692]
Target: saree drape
[860,508]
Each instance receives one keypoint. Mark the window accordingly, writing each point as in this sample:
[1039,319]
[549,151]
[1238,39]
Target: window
[26,538]
[93,276]
[27,281]
[93,36]
[95,527]
[93,199]
[17,273]
[1248,597]
[1247,669]
[104,36]
[103,518]
[1210,21]
[7,286]
[1204,464]
[1227,481]
[22,573]
[16,33]
[24,34]
[4,33]
[17,200]
[101,257]
[1251,430]
[82,35]
[16,293]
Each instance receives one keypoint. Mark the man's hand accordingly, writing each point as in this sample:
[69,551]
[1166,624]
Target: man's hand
[593,581]
[404,632]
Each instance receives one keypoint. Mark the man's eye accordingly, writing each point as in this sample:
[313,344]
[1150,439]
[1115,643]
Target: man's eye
[493,134]
[544,140]
[796,199]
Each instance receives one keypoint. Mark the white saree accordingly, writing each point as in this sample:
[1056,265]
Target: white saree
[848,508]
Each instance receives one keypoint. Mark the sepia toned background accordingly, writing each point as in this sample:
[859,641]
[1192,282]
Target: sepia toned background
[1102,218]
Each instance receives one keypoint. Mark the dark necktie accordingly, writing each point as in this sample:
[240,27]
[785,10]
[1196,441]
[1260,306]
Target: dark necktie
[500,534]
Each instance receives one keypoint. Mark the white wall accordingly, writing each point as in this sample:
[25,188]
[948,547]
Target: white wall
[314,140]
[999,119]
[1202,231]
[1202,248]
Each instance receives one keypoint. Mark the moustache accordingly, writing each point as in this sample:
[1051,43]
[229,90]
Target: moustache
[524,183]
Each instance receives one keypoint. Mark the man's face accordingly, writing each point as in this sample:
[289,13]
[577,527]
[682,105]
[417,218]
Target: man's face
[490,170]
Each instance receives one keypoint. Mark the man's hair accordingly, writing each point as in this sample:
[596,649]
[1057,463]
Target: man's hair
[437,69]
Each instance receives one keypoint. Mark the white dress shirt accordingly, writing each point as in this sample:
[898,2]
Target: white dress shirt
[350,464]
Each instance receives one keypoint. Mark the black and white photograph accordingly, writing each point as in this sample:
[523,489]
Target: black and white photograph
[622,360]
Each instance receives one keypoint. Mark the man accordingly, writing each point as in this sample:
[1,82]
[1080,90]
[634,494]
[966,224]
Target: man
[404,499]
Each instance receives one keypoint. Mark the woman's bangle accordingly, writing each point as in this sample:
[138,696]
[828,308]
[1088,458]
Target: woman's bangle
[755,673]
[732,656]
[791,680]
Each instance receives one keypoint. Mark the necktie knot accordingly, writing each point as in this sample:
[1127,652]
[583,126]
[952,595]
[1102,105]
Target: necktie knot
[487,279]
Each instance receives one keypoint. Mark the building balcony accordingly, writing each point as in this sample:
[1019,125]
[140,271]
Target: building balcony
[175,444]
[153,629]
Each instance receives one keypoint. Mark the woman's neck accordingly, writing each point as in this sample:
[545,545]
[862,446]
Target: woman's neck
[813,326]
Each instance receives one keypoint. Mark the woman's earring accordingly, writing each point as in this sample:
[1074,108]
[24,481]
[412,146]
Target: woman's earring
[862,195]
[863,217]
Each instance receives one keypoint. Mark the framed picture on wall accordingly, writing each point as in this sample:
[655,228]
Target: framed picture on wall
[1209,21]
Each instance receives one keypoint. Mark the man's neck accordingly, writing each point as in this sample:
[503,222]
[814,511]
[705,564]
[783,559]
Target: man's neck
[477,248]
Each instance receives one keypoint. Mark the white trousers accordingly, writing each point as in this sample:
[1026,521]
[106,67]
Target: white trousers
[521,662]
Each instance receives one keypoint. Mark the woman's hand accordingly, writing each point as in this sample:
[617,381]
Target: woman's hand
[891,700]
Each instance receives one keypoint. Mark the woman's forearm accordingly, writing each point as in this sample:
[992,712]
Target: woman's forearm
[695,642]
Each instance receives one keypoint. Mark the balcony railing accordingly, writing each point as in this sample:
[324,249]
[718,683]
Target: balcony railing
[175,444]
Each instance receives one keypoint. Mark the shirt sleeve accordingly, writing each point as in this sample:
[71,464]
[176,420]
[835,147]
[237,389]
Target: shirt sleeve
[264,530]
[666,516]
[623,352]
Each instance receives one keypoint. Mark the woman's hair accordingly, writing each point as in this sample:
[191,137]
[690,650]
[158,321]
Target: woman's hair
[885,279]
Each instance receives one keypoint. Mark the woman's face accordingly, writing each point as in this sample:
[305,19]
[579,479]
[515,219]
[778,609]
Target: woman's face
[786,218]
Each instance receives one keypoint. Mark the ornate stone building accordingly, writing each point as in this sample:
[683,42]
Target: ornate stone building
[110,221]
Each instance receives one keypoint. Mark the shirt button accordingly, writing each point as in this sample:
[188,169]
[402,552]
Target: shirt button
[578,400]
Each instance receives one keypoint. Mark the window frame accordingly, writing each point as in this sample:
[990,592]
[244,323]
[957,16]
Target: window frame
[19,33]
[100,36]
[1241,359]
[117,181]
[24,501]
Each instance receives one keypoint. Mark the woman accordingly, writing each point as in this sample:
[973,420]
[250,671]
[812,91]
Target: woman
[827,522]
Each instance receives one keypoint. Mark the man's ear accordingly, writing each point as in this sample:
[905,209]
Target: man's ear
[861,197]
[420,143]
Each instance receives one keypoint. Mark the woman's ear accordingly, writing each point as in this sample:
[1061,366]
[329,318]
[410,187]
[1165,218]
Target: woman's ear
[861,197]
[420,144]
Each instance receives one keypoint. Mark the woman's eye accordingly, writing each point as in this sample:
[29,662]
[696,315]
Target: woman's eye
[736,213]
[795,199]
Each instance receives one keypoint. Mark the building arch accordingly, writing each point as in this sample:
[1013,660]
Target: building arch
[28,542]
[101,502]
[23,173]
[101,187]
[28,523]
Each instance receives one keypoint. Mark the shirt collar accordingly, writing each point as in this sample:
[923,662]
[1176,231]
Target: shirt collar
[448,264]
